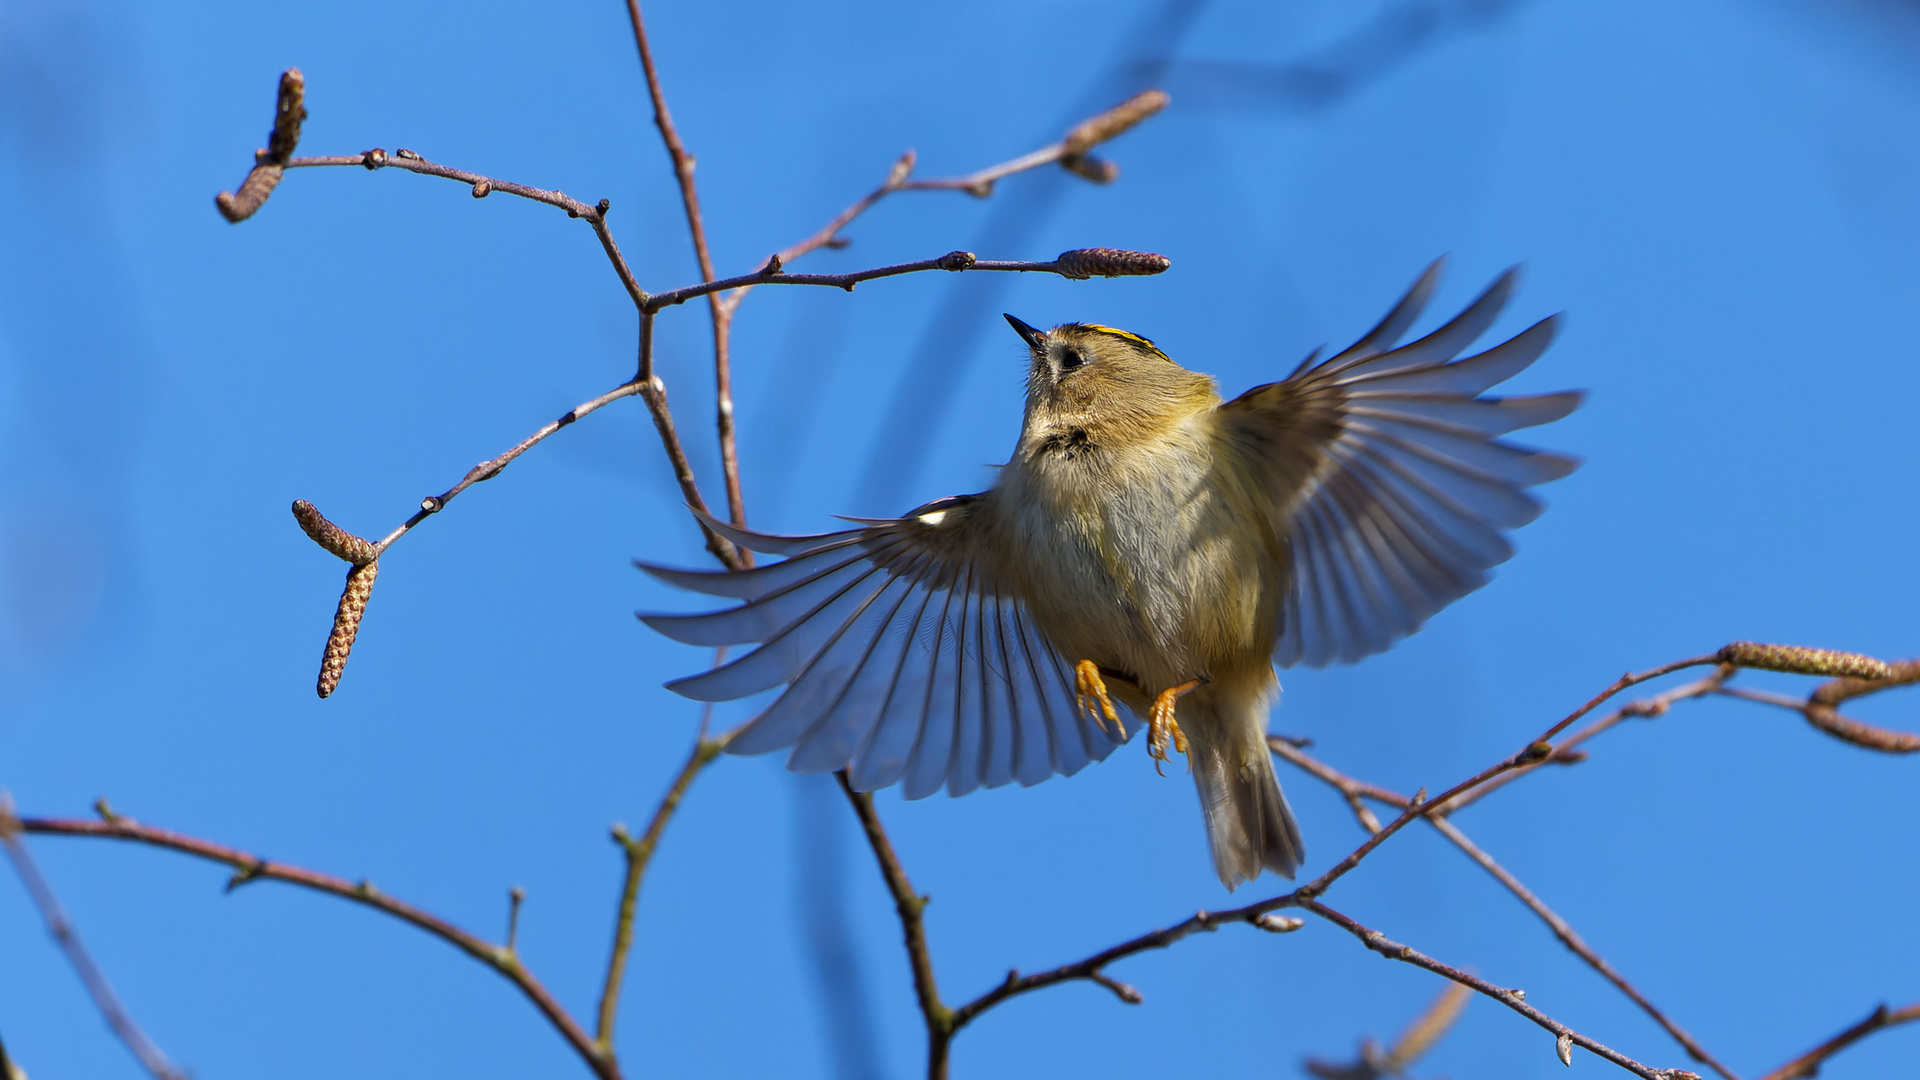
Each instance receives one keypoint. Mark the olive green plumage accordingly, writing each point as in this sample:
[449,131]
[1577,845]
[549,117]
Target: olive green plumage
[1152,542]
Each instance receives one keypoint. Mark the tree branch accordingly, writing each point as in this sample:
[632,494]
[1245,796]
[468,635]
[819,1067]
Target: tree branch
[1566,1036]
[1355,790]
[941,1021]
[150,1056]
[1808,1064]
[248,867]
[639,853]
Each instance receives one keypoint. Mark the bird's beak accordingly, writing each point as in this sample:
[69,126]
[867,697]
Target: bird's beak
[1035,339]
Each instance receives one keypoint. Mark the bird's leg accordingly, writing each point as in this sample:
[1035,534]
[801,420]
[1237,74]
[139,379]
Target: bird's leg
[1161,726]
[1089,689]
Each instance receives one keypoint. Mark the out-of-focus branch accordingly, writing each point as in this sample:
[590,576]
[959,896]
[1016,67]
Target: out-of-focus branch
[1808,1064]
[269,164]
[1566,1038]
[639,853]
[150,1056]
[1422,1035]
[249,867]
[1820,709]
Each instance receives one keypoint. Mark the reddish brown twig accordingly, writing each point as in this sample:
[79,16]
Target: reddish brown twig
[720,315]
[248,867]
[1808,1064]
[482,186]
[112,1009]
[1393,950]
[1355,790]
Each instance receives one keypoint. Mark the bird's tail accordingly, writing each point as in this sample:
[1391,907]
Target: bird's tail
[1249,825]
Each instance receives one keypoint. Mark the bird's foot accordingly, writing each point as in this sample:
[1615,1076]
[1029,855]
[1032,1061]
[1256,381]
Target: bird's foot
[1163,730]
[1090,693]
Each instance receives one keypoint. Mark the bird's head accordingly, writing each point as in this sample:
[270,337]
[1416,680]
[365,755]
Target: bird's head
[1095,377]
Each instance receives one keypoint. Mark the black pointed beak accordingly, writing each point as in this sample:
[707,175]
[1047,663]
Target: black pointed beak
[1035,339]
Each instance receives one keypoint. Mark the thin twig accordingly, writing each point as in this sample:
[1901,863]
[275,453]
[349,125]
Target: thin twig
[721,315]
[1070,264]
[248,867]
[1808,1064]
[150,1056]
[1393,950]
[1651,707]
[595,215]
[941,1021]
[639,853]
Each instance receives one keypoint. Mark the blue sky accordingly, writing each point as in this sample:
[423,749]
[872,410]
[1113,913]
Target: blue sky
[1719,195]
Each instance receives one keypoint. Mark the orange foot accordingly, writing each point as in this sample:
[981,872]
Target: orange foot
[1089,690]
[1162,729]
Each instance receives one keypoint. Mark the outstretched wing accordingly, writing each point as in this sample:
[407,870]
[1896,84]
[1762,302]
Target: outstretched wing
[907,657]
[1396,485]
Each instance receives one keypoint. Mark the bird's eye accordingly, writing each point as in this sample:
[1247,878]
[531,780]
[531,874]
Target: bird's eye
[1070,359]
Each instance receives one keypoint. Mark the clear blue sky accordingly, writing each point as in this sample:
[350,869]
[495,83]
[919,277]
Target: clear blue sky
[1721,196]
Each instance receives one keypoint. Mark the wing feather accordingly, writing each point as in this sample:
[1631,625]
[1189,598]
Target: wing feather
[1388,484]
[907,655]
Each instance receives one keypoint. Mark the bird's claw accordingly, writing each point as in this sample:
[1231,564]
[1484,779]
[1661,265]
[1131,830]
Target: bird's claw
[1163,730]
[1089,691]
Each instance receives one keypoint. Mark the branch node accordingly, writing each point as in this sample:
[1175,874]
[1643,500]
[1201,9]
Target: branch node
[1564,1047]
[1279,924]
[432,504]
[106,811]
[1804,661]
[375,158]
[482,188]
[957,261]
[249,872]
[403,152]
[1120,990]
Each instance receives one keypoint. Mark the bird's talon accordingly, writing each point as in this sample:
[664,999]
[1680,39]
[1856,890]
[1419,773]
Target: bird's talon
[1163,730]
[1089,688]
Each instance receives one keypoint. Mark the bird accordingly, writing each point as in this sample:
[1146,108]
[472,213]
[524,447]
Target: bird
[1148,545]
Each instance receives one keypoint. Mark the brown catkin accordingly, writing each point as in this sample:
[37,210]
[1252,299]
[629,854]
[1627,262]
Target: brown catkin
[1804,661]
[1109,262]
[335,539]
[346,624]
[1093,131]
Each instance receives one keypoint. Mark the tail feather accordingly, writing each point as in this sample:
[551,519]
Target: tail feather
[1249,825]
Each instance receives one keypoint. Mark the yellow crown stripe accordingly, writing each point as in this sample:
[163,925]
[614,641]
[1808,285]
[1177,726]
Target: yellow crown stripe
[1128,334]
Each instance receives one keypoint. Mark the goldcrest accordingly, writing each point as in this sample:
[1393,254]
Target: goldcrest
[1148,545]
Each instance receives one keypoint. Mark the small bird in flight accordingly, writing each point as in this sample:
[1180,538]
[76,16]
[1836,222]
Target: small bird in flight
[1147,544]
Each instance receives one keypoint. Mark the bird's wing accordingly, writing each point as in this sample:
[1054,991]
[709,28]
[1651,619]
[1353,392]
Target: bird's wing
[907,657]
[1385,477]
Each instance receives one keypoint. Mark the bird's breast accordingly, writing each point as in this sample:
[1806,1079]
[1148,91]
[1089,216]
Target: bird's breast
[1140,560]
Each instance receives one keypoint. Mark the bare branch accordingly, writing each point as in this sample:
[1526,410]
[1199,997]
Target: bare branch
[1081,263]
[248,867]
[150,1056]
[1393,950]
[639,853]
[720,314]
[1808,1064]
[941,1021]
